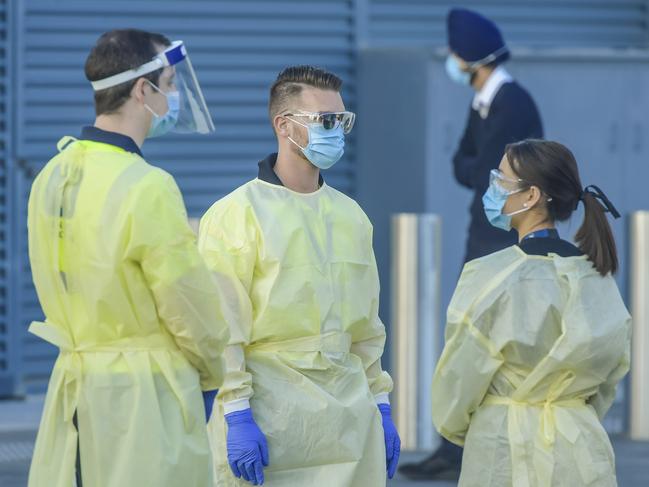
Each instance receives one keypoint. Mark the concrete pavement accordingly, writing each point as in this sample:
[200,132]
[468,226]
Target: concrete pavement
[19,422]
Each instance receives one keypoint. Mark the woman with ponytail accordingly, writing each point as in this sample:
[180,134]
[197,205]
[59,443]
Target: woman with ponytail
[537,335]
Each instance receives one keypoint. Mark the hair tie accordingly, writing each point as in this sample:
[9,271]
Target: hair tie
[599,195]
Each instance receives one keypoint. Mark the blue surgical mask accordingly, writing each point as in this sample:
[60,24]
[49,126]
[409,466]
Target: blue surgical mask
[494,201]
[455,72]
[163,124]
[325,147]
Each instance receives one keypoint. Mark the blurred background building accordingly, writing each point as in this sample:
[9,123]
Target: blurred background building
[586,62]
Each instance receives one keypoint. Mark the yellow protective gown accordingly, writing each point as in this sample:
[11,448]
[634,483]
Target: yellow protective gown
[136,316]
[307,346]
[535,346]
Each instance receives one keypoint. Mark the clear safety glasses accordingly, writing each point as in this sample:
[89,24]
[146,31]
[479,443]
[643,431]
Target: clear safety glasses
[329,120]
[506,184]
[193,115]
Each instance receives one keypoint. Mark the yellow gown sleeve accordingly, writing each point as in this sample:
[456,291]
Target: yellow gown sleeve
[227,242]
[368,341]
[465,369]
[603,399]
[369,348]
[161,241]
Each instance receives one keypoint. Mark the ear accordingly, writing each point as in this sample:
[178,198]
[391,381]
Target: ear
[280,124]
[533,196]
[139,90]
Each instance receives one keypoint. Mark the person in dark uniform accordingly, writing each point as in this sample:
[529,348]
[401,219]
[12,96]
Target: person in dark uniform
[502,112]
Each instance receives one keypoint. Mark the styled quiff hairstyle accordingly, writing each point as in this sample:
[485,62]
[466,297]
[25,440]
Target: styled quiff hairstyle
[292,80]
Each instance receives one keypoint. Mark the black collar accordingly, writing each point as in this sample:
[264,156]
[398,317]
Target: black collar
[112,138]
[545,233]
[549,245]
[268,175]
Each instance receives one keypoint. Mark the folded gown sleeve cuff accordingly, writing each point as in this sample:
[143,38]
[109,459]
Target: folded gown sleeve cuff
[236,405]
[383,398]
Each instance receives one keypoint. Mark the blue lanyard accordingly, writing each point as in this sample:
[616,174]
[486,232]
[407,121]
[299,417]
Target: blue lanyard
[545,233]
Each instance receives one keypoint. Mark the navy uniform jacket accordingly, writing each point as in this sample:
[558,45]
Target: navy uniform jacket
[513,116]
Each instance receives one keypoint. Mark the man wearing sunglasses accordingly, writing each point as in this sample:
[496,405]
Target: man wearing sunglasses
[305,401]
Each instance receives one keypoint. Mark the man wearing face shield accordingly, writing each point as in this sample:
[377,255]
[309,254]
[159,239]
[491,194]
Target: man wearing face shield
[305,400]
[128,299]
[501,112]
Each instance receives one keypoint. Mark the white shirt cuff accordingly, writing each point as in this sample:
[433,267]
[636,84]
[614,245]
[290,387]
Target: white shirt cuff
[382,398]
[235,406]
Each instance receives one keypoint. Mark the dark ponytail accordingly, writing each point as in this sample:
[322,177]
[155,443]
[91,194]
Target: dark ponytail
[595,237]
[552,168]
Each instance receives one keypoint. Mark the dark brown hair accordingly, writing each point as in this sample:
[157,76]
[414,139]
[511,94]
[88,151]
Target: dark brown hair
[292,80]
[118,51]
[552,168]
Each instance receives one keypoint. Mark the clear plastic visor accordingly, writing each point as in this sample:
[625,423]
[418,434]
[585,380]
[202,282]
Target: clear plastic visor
[193,114]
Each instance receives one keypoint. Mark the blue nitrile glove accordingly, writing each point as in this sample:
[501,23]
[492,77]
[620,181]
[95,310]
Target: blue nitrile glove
[392,440]
[247,447]
[208,401]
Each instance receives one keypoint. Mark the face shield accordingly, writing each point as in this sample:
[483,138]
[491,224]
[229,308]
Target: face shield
[193,114]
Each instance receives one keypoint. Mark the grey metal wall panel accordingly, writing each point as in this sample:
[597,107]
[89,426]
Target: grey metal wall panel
[237,48]
[7,362]
[530,23]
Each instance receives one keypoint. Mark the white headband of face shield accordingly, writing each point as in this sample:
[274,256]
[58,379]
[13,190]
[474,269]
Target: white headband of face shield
[170,56]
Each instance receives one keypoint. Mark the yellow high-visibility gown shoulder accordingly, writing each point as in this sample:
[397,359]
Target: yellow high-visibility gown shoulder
[306,348]
[535,347]
[137,318]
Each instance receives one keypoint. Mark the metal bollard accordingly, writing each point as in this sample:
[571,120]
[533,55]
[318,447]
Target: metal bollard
[639,276]
[195,223]
[415,290]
